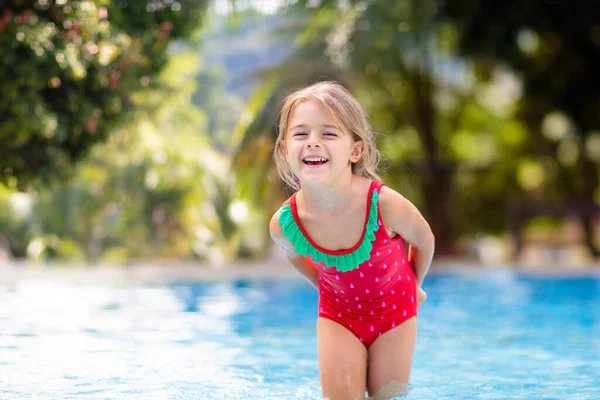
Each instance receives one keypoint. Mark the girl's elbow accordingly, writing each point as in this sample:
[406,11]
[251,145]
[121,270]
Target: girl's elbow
[430,242]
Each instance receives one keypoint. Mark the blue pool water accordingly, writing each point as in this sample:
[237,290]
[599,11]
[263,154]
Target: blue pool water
[493,335]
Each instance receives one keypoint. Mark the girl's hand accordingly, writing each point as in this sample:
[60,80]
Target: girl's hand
[421,296]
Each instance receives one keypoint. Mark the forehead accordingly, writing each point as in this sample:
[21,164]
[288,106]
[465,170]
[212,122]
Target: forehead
[312,112]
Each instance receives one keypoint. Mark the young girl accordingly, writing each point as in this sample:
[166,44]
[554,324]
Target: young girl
[345,232]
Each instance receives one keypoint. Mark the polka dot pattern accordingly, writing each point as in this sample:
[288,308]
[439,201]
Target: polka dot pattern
[378,295]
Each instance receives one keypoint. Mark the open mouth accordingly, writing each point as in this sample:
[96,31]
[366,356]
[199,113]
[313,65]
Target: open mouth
[314,160]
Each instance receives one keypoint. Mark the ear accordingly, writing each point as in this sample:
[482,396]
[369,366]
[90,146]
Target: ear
[358,149]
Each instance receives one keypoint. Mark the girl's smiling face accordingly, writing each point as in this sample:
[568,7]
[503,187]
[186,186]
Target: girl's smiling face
[318,149]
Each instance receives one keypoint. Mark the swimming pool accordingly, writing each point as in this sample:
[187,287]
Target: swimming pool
[492,335]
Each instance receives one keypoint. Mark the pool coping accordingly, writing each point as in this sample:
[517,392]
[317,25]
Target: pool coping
[154,272]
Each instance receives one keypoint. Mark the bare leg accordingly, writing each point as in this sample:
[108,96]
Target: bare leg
[390,359]
[342,362]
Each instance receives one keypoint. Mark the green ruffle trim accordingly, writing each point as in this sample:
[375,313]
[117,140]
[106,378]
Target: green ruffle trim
[342,263]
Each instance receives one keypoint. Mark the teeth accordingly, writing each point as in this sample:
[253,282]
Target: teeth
[315,159]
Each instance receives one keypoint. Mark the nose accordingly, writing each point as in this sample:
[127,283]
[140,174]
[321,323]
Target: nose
[313,141]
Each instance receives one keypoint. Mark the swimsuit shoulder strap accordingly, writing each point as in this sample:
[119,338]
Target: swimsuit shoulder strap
[378,185]
[342,260]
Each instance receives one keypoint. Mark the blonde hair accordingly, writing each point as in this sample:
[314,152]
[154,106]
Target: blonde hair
[347,112]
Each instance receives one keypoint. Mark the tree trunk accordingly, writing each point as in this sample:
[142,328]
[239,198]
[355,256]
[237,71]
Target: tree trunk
[436,185]
[588,186]
[437,176]
[437,180]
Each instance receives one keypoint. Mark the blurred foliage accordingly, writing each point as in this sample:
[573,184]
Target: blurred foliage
[473,106]
[456,130]
[222,108]
[156,189]
[66,72]
[431,120]
[555,48]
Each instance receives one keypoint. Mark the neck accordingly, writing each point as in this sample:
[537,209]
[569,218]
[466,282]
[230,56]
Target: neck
[331,199]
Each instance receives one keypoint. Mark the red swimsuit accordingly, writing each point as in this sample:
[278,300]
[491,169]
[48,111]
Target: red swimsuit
[375,297]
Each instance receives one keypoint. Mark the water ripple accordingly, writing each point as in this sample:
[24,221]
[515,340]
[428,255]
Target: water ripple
[491,336]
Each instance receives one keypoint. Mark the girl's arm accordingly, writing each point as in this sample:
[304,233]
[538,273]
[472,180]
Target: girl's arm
[304,265]
[400,215]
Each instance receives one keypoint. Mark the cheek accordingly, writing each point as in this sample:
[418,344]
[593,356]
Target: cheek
[291,154]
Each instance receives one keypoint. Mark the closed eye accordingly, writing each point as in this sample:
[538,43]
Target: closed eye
[330,134]
[300,134]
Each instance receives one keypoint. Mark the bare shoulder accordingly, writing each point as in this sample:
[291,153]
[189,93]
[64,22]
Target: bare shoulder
[275,225]
[277,234]
[403,217]
[390,201]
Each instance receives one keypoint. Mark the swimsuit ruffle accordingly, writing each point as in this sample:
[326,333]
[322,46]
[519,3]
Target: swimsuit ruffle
[342,262]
